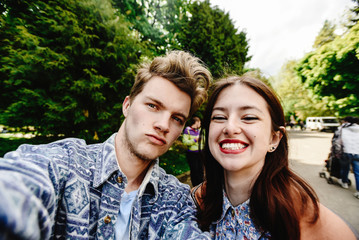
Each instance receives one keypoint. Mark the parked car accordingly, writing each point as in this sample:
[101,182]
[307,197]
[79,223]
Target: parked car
[322,123]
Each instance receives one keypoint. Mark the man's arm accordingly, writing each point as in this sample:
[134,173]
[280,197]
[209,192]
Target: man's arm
[183,223]
[28,182]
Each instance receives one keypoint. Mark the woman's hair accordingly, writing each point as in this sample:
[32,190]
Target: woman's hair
[279,197]
[193,120]
[181,68]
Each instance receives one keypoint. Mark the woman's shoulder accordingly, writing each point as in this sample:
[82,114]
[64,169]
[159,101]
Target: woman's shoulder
[197,195]
[328,226]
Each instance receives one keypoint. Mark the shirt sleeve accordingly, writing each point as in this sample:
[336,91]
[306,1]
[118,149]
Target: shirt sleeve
[183,224]
[29,183]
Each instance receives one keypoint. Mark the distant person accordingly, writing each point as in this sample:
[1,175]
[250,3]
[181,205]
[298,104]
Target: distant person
[249,190]
[350,141]
[301,125]
[4,130]
[111,190]
[190,138]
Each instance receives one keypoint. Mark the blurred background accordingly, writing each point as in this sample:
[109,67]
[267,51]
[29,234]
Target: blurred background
[67,65]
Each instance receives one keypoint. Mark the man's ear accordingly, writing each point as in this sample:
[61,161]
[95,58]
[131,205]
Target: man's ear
[126,105]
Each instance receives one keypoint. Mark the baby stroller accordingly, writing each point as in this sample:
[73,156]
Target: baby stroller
[332,165]
[332,168]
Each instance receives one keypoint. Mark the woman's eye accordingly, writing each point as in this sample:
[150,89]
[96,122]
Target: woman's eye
[250,118]
[218,118]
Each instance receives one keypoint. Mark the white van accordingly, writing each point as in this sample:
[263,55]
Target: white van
[322,123]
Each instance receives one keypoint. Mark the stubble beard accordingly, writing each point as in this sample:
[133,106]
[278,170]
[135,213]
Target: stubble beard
[133,151]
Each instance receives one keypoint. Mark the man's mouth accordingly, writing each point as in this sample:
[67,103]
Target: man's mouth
[157,140]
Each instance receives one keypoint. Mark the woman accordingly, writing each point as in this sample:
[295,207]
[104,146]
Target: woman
[190,140]
[246,168]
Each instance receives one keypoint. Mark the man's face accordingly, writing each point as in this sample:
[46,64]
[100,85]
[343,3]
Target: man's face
[155,118]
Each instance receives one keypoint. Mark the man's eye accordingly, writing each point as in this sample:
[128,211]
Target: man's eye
[179,120]
[151,105]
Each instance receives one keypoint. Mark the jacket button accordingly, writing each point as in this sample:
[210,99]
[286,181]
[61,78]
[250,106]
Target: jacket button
[119,179]
[107,219]
[233,213]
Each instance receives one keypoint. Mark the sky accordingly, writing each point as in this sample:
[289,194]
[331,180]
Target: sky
[281,30]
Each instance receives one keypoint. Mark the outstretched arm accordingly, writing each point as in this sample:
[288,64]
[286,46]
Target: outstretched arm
[183,225]
[27,195]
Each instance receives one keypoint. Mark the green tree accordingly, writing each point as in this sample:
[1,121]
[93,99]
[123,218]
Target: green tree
[257,73]
[65,66]
[355,10]
[326,34]
[332,71]
[157,22]
[211,35]
[297,99]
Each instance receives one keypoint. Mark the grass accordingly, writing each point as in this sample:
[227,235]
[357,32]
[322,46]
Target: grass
[173,162]
[10,142]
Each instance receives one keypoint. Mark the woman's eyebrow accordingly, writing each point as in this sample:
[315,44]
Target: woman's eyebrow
[242,108]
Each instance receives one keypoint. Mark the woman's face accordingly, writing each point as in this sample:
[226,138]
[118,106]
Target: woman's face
[240,132]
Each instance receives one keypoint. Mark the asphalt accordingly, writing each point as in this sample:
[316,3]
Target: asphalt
[308,151]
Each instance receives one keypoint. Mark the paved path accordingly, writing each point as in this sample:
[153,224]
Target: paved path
[307,153]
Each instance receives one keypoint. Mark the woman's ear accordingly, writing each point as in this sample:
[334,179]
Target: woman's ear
[276,137]
[126,105]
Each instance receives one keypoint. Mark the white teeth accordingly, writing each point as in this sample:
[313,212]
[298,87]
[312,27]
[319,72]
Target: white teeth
[233,146]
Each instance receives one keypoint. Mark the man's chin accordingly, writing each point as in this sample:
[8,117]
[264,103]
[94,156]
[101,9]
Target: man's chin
[147,157]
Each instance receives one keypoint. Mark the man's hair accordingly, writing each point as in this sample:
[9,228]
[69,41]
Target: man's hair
[351,119]
[187,72]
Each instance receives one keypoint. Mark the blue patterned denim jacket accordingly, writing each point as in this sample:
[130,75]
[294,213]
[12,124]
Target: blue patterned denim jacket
[70,190]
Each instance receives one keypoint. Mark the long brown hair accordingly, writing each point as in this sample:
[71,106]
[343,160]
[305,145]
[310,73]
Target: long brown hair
[279,197]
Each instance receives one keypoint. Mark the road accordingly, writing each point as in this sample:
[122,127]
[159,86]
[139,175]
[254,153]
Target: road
[307,153]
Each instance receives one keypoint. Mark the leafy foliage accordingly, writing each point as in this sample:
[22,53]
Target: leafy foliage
[333,71]
[299,101]
[157,22]
[326,34]
[355,11]
[65,66]
[211,35]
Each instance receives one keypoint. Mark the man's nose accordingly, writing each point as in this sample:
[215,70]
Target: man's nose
[163,123]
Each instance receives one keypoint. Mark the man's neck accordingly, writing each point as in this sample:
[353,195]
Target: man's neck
[134,168]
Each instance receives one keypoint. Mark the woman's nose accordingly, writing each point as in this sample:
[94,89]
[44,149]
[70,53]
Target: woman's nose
[232,127]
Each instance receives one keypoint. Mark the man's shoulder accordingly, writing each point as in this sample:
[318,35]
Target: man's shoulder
[170,183]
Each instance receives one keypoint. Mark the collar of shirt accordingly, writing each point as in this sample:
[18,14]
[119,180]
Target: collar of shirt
[107,164]
[239,218]
[241,209]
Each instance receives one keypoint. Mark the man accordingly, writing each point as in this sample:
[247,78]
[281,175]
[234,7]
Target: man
[116,189]
[348,138]
[190,138]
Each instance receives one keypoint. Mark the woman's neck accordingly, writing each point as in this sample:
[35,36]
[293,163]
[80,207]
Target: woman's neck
[238,187]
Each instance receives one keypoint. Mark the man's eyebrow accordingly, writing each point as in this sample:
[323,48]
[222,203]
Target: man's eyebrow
[159,103]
